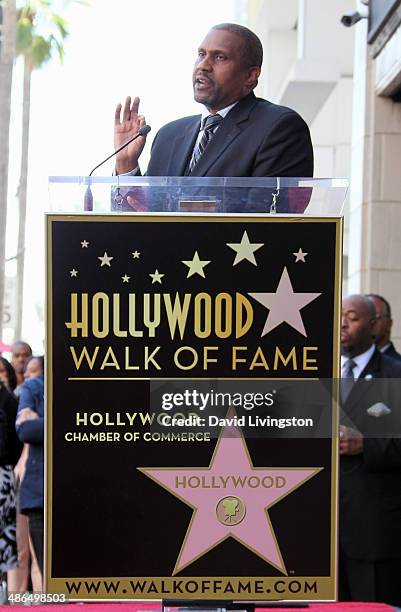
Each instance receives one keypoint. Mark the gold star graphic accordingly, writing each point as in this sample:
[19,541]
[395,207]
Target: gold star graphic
[245,249]
[74,272]
[105,260]
[196,266]
[125,278]
[300,256]
[156,277]
[136,254]
[84,244]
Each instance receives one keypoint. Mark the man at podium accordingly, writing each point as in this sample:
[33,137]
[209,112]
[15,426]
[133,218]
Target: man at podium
[236,135]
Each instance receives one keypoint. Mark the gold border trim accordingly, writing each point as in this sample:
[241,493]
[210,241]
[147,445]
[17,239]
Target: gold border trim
[327,589]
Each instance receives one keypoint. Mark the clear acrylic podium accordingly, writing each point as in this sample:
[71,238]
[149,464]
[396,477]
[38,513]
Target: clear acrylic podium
[290,196]
[166,286]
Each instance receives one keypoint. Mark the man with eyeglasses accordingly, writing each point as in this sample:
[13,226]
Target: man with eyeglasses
[382,326]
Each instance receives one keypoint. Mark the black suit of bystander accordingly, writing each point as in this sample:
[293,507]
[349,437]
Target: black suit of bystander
[370,487]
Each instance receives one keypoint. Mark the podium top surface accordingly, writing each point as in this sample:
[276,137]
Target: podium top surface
[213,181]
[318,197]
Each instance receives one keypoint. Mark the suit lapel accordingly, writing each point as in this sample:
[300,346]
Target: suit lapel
[182,147]
[364,383]
[229,129]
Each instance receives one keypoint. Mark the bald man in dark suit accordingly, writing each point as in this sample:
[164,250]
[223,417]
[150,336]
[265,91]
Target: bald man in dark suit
[370,462]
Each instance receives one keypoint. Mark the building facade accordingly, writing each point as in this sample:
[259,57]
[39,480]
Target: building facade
[346,83]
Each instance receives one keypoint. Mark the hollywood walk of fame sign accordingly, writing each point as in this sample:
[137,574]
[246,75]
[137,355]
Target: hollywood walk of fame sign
[188,457]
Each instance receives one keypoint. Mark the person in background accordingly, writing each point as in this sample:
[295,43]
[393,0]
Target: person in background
[382,326]
[34,367]
[10,449]
[18,578]
[30,426]
[370,462]
[21,352]
[7,374]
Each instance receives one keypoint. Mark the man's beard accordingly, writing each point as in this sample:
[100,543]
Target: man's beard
[208,101]
[345,351]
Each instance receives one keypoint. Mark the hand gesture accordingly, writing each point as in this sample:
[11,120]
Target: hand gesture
[125,129]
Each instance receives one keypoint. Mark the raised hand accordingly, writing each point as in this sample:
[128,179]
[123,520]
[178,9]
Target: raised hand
[124,129]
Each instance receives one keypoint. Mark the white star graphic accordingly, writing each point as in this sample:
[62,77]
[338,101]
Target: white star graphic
[284,305]
[156,277]
[125,278]
[105,260]
[84,244]
[74,272]
[244,249]
[136,254]
[196,266]
[300,256]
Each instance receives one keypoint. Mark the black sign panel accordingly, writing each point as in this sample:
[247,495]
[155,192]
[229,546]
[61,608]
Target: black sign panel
[188,454]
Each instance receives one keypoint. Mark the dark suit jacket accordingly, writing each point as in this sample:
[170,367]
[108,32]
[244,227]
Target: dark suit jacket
[391,352]
[256,138]
[370,483]
[10,447]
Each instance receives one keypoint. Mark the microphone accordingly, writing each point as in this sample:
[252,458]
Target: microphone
[88,198]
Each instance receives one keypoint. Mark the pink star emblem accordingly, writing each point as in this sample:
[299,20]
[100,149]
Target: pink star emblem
[230,499]
[284,305]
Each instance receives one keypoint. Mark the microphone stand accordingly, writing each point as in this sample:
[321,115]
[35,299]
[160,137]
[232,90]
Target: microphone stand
[88,197]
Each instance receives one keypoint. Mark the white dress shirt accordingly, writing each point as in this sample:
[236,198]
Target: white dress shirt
[205,113]
[361,362]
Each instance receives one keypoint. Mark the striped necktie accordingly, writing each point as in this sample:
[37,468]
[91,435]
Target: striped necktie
[347,379]
[209,127]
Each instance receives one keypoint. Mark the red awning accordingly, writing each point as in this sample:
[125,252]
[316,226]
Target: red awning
[4,347]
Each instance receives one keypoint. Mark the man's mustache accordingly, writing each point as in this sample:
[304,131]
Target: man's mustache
[204,77]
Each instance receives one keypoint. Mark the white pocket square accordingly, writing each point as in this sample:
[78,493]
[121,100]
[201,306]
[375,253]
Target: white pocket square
[378,410]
